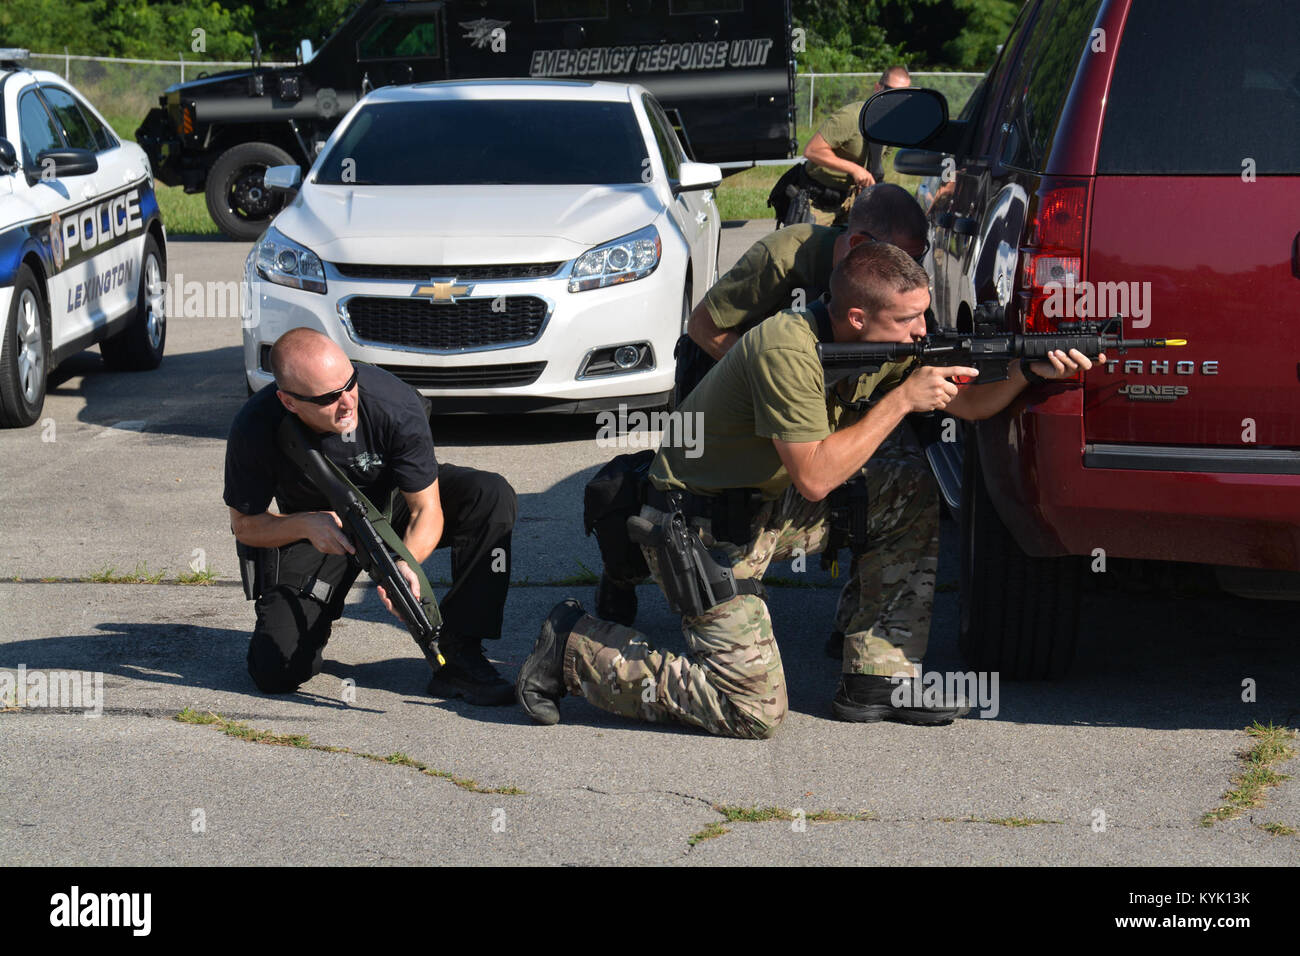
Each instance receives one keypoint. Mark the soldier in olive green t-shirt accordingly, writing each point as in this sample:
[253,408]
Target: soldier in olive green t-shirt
[767,425]
[840,158]
[793,266]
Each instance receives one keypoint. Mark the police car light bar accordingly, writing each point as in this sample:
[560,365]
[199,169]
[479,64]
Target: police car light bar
[14,58]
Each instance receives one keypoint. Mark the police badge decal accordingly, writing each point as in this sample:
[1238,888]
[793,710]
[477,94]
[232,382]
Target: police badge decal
[56,241]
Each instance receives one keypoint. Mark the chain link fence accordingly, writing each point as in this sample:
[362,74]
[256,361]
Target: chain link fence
[124,90]
[819,94]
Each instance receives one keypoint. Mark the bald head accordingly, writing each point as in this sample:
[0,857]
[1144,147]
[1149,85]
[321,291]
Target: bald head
[895,76]
[302,358]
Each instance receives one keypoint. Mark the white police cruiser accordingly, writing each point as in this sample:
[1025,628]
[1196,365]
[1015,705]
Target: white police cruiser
[81,239]
[501,245]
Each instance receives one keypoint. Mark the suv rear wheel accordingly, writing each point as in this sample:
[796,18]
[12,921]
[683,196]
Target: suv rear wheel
[1019,614]
[238,200]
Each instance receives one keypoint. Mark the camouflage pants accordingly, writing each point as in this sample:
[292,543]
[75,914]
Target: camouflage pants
[731,681]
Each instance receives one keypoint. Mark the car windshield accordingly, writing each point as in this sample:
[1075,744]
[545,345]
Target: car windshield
[488,142]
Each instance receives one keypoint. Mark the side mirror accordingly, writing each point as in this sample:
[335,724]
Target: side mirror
[66,162]
[283,179]
[907,117]
[8,158]
[919,162]
[696,176]
[305,52]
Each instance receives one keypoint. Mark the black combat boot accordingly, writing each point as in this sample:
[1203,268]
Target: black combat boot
[615,602]
[869,697]
[541,678]
[468,674]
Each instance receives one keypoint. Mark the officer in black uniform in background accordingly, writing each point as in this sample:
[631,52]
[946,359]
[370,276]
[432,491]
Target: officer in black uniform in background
[376,429]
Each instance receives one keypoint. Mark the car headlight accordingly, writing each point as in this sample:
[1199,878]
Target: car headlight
[284,262]
[627,259]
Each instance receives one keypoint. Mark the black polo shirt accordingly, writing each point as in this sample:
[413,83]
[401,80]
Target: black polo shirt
[391,448]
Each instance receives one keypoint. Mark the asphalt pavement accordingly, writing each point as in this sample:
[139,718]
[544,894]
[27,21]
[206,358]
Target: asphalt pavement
[1118,763]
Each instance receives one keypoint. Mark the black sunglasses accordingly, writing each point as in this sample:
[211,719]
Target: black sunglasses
[917,259]
[329,398]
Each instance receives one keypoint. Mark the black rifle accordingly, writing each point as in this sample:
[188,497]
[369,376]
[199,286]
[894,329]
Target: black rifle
[375,551]
[991,353]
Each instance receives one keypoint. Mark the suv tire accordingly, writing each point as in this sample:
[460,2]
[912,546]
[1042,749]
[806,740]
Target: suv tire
[139,346]
[1019,615]
[238,200]
[25,352]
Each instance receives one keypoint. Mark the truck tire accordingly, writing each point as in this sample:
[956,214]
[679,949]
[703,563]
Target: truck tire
[1019,615]
[25,352]
[139,346]
[238,200]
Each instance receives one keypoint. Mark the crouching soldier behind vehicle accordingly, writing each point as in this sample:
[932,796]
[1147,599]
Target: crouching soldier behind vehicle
[776,446]
[375,428]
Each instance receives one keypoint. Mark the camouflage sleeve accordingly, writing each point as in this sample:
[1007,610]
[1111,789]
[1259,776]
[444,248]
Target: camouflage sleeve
[754,288]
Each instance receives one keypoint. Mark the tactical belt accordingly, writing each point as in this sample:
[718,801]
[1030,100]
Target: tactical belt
[731,513]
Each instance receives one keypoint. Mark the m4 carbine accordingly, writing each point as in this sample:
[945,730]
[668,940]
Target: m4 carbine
[989,352]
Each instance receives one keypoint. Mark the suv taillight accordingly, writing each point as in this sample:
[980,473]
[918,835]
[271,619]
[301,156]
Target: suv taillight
[1053,250]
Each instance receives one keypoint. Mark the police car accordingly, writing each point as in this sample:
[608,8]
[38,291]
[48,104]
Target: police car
[81,240]
[501,245]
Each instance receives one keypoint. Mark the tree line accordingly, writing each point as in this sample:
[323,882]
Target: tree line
[839,35]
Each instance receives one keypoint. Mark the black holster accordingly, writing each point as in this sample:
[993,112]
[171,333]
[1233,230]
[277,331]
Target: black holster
[260,570]
[847,519]
[253,563]
[694,581]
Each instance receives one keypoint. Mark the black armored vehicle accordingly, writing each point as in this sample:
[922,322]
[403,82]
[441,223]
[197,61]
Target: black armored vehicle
[722,69]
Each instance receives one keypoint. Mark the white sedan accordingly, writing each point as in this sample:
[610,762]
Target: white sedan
[528,245]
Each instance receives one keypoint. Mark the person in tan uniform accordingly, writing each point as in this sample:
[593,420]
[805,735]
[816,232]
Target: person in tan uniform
[841,161]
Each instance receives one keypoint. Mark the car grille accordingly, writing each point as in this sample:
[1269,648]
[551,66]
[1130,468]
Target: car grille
[467,324]
[534,270]
[470,376]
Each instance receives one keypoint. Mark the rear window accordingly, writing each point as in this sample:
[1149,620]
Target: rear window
[1065,31]
[1204,90]
[488,142]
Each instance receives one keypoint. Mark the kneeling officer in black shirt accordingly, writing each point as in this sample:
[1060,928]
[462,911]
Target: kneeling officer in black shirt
[375,429]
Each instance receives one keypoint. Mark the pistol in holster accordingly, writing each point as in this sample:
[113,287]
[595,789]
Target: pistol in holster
[693,579]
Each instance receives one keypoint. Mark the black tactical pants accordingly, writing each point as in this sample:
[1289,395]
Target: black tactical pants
[292,626]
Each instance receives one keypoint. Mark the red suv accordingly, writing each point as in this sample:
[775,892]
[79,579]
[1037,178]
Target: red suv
[1139,159]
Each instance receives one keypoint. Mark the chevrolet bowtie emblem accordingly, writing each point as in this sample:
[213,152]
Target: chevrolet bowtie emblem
[443,290]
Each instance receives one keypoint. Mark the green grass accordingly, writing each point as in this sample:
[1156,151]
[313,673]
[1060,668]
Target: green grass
[1257,773]
[708,833]
[201,578]
[735,814]
[1277,829]
[241,731]
[1015,821]
[140,575]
